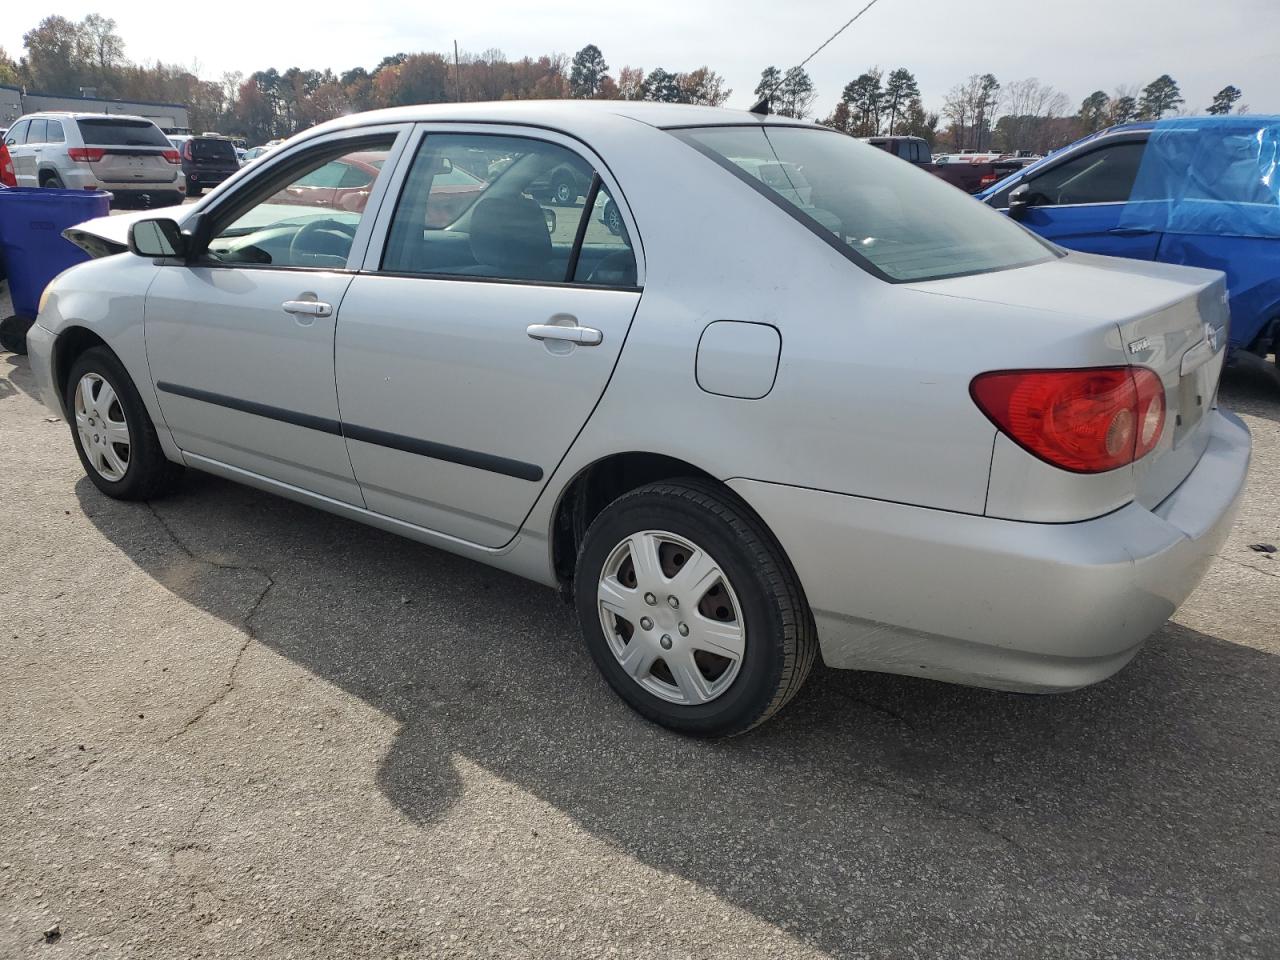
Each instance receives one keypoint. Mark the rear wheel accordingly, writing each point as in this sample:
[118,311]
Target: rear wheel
[690,610]
[52,181]
[194,191]
[113,432]
[563,190]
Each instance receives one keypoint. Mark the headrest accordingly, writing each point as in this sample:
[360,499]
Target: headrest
[510,232]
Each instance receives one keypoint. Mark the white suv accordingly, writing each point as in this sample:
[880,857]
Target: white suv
[129,156]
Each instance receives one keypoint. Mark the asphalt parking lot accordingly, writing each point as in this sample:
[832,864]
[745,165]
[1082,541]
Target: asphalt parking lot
[235,726]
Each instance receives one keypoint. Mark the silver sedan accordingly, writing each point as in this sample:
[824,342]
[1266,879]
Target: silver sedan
[761,392]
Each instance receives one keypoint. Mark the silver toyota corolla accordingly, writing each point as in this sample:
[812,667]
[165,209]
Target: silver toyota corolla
[763,392]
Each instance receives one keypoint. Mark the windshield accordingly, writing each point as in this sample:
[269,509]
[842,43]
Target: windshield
[122,133]
[898,222]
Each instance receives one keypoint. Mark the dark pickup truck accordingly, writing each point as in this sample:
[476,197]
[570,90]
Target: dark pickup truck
[969,176]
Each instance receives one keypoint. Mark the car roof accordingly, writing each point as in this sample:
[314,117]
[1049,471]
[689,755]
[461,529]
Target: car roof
[80,115]
[572,116]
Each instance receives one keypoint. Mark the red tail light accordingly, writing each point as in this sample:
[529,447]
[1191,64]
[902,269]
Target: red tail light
[1085,421]
[988,179]
[86,154]
[173,156]
[7,175]
[186,150]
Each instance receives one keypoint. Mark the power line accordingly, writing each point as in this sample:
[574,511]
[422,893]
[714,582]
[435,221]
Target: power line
[763,105]
[837,33]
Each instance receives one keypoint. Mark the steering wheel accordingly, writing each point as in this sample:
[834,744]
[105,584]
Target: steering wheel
[298,245]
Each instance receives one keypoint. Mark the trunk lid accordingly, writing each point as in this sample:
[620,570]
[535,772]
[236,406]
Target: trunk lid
[1168,318]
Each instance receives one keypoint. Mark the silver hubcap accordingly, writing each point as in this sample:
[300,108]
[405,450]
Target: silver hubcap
[104,434]
[671,617]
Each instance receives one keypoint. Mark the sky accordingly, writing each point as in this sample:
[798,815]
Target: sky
[1077,46]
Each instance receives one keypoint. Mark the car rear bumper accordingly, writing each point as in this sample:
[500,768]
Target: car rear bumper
[1035,607]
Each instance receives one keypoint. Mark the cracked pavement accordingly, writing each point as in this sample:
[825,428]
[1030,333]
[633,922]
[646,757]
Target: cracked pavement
[231,725]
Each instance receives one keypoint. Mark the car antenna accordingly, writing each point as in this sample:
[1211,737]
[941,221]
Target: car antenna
[762,106]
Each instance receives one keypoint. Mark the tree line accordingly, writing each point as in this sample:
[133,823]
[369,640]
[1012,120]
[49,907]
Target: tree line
[66,57]
[982,114]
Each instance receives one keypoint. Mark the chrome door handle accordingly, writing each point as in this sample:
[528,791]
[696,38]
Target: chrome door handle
[583,336]
[309,308]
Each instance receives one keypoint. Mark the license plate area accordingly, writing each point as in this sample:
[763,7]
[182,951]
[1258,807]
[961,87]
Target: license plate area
[1194,395]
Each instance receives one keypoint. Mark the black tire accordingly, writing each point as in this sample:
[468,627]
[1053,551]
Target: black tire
[780,638]
[194,191]
[150,473]
[52,181]
[13,333]
[613,218]
[563,190]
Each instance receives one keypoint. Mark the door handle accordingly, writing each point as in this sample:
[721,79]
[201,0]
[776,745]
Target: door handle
[308,308]
[583,336]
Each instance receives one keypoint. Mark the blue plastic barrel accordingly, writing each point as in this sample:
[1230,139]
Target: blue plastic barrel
[31,223]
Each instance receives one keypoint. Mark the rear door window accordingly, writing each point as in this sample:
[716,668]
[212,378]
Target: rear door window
[112,132]
[53,132]
[451,221]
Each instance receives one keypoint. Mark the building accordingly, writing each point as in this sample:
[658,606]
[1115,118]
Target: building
[169,117]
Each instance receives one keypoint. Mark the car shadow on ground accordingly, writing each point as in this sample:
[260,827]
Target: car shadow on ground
[1252,391]
[875,809]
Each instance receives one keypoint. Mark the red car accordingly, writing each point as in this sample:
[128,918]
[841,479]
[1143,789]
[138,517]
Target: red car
[344,184]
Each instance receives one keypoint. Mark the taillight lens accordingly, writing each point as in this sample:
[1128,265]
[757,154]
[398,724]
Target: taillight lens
[186,150]
[173,156]
[7,175]
[1085,421]
[86,154]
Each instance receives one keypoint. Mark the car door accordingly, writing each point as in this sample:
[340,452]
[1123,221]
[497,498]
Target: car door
[470,354]
[240,337]
[1079,201]
[23,156]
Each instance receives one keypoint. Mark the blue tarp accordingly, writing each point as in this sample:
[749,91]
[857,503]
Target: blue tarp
[1209,176]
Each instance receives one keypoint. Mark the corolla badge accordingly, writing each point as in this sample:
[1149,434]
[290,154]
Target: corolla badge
[1137,346]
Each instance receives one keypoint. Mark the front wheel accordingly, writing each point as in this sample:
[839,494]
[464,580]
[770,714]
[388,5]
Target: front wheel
[691,611]
[113,432]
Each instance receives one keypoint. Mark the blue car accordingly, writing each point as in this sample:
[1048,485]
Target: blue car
[1201,191]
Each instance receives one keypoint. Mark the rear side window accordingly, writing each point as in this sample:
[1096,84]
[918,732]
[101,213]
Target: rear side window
[211,149]
[110,132]
[53,132]
[894,220]
[501,226]
[1105,175]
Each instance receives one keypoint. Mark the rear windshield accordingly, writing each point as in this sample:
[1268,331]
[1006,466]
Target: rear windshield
[122,133]
[211,149]
[899,223]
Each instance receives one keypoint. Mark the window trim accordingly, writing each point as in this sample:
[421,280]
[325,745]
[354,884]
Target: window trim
[372,263]
[281,163]
[684,135]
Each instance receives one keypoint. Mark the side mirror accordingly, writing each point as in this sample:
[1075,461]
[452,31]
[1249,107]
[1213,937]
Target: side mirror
[161,237]
[1021,199]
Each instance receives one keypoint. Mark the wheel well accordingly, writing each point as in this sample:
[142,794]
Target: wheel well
[66,348]
[599,485]
[46,174]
